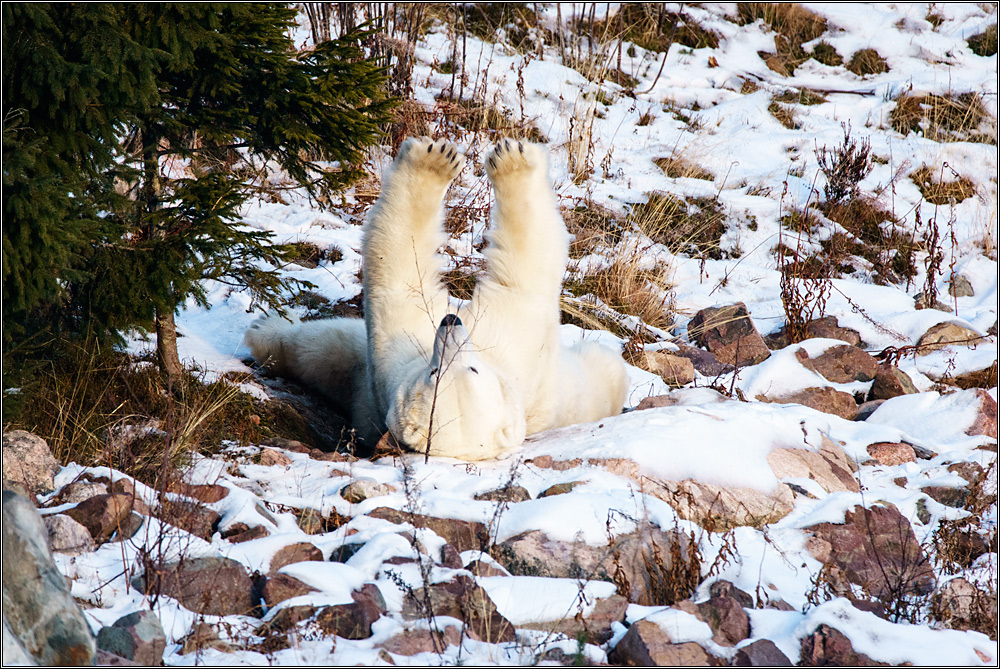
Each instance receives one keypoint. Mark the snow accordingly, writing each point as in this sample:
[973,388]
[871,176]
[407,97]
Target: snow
[762,171]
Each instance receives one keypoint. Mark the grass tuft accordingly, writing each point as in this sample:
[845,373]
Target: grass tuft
[867,61]
[939,191]
[943,118]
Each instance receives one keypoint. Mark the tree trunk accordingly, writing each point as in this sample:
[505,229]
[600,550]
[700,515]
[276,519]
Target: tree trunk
[166,346]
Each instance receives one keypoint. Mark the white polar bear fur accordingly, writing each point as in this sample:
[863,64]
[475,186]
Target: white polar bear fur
[477,386]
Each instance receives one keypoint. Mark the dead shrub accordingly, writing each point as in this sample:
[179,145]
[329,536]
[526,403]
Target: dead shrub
[844,167]
[678,168]
[478,117]
[867,61]
[461,279]
[943,118]
[513,23]
[939,191]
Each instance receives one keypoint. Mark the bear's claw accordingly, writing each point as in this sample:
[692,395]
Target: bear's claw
[504,162]
[446,162]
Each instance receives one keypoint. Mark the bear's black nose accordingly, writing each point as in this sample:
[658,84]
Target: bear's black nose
[451,320]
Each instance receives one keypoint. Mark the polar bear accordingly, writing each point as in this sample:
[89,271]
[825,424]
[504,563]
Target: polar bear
[467,381]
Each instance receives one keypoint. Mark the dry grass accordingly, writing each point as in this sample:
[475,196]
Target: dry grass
[783,115]
[652,27]
[629,287]
[985,43]
[801,97]
[867,61]
[482,118]
[794,24]
[940,191]
[944,118]
[694,227]
[679,168]
[593,227]
[824,53]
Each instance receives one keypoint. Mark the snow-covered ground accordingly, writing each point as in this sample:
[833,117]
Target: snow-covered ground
[703,112]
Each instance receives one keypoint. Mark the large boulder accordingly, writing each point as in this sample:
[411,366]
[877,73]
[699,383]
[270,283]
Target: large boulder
[945,334]
[211,586]
[829,647]
[106,515]
[28,464]
[874,548]
[646,644]
[37,606]
[464,599]
[138,637]
[655,567]
[463,535]
[841,364]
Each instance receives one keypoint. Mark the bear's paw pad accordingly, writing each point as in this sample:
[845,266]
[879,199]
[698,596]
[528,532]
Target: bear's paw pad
[439,157]
[511,158]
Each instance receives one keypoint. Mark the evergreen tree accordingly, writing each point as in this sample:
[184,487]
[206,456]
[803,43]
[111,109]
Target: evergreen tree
[232,100]
[69,76]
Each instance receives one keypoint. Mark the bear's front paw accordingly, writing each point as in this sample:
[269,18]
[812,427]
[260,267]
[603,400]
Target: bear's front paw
[440,158]
[512,158]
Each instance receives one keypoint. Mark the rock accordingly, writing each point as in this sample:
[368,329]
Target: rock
[960,605]
[646,644]
[704,362]
[866,409]
[463,599]
[483,569]
[104,515]
[106,659]
[723,588]
[210,586]
[201,637]
[728,333]
[292,553]
[286,618]
[823,399]
[280,587]
[79,491]
[675,370]
[595,628]
[946,334]
[892,453]
[875,548]
[38,610]
[826,647]
[656,567]
[345,551]
[191,517]
[68,536]
[361,489]
[138,637]
[463,535]
[450,557]
[826,327]
[239,532]
[292,445]
[959,286]
[718,508]
[331,456]
[922,301]
[729,622]
[890,381]
[511,494]
[207,493]
[560,489]
[547,462]
[828,466]
[28,463]
[970,471]
[272,458]
[986,414]
[947,495]
[761,653]
[841,364]
[312,522]
[412,642]
[352,621]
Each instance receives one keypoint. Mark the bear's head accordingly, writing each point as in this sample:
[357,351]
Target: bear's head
[471,410]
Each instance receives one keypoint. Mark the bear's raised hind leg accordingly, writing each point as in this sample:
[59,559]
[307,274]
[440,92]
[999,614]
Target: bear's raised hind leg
[404,297]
